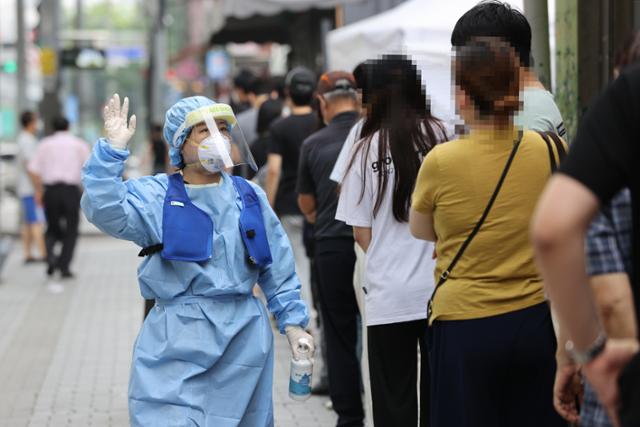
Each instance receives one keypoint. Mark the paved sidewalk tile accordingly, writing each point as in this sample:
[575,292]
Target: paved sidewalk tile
[65,347]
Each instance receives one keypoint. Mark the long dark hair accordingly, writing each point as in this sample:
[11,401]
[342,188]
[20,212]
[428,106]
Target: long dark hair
[398,112]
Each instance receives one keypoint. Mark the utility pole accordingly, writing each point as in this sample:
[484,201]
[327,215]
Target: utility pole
[50,46]
[537,13]
[158,61]
[21,76]
[81,76]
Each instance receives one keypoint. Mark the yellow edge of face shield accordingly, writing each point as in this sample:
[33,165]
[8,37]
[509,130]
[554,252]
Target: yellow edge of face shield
[218,111]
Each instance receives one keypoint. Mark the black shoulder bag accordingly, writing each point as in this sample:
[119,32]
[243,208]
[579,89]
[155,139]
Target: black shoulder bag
[445,274]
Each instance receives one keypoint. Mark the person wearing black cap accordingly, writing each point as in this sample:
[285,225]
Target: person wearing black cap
[287,135]
[334,254]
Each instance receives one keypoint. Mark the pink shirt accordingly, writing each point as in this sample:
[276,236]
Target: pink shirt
[59,159]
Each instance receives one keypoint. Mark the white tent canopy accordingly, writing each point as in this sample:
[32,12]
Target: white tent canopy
[419,28]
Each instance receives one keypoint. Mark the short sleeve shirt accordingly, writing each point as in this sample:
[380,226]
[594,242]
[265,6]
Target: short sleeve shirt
[395,259]
[27,145]
[317,158]
[287,135]
[497,273]
[540,112]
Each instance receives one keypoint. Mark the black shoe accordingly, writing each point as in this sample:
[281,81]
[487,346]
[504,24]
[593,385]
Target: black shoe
[67,275]
[50,270]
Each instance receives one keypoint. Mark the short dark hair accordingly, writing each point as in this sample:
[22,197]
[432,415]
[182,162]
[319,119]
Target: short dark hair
[261,86]
[301,99]
[492,18]
[244,80]
[60,123]
[269,111]
[27,117]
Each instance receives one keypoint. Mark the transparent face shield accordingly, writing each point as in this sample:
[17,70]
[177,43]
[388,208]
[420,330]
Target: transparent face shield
[218,151]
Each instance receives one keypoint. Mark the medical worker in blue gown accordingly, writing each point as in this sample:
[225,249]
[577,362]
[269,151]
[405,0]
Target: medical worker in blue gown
[204,356]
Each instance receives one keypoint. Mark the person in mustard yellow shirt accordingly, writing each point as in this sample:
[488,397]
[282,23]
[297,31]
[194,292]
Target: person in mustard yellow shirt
[491,339]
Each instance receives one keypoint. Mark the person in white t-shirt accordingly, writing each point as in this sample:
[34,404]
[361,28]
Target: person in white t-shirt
[397,132]
[32,216]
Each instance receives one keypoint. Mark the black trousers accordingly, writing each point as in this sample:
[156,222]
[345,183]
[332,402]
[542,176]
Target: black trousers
[494,372]
[335,261]
[393,370]
[62,211]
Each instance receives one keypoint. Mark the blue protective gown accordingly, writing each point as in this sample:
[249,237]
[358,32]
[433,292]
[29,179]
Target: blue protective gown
[204,356]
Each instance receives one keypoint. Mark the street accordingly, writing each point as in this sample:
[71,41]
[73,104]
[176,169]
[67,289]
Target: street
[65,347]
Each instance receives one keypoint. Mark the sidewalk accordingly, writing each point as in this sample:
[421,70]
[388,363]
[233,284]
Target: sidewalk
[65,351]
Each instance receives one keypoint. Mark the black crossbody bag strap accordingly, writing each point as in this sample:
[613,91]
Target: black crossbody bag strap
[559,148]
[445,274]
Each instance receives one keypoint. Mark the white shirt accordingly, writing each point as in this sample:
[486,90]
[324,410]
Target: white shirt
[27,145]
[399,274]
[344,158]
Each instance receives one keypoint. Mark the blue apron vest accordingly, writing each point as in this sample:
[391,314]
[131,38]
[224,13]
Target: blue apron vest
[252,228]
[188,231]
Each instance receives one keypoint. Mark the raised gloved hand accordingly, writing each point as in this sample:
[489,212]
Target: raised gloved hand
[295,334]
[115,122]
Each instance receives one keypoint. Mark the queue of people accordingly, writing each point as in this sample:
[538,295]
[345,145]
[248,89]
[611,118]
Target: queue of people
[463,276]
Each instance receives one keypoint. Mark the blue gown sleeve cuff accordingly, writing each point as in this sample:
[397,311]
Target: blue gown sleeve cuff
[107,152]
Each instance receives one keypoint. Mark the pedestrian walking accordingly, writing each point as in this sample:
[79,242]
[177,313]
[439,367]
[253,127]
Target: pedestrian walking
[56,174]
[32,217]
[204,355]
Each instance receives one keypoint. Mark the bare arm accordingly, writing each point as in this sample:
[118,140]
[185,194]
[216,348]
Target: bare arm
[37,187]
[307,204]
[421,225]
[614,300]
[362,236]
[274,170]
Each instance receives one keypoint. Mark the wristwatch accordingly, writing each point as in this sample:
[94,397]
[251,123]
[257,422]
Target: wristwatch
[585,356]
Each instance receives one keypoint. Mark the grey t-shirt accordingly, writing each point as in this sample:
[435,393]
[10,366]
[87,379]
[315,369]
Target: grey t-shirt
[248,122]
[540,112]
[27,145]
[317,157]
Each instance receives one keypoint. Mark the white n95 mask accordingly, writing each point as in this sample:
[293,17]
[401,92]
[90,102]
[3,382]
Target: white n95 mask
[214,153]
